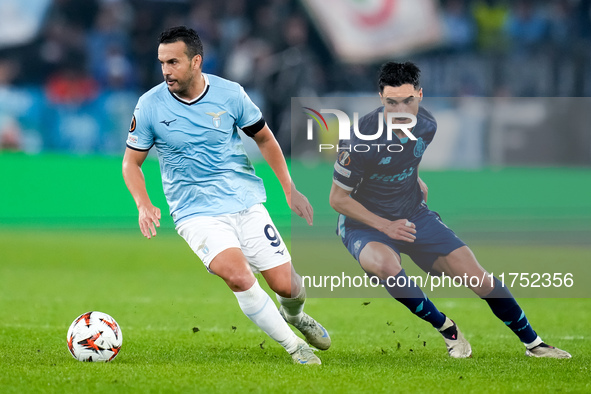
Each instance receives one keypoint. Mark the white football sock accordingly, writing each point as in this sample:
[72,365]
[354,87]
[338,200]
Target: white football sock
[258,307]
[293,307]
[447,324]
[533,344]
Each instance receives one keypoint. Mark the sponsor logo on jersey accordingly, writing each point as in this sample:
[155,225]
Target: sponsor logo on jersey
[385,160]
[392,178]
[132,125]
[217,120]
[133,139]
[167,122]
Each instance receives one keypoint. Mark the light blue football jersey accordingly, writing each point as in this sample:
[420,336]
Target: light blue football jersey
[204,167]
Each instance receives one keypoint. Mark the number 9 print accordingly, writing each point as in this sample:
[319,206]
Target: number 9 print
[272,235]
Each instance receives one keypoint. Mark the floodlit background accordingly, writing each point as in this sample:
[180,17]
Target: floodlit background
[508,82]
[71,71]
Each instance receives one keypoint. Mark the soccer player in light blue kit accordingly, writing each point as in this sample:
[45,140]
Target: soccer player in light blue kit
[383,212]
[214,196]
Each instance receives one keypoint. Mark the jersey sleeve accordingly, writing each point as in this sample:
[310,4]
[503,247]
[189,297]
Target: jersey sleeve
[141,136]
[430,134]
[430,128]
[250,119]
[348,168]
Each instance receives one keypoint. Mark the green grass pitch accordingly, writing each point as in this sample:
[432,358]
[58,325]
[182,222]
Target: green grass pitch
[159,292]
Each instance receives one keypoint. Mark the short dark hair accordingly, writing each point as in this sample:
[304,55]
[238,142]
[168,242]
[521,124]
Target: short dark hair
[186,35]
[398,74]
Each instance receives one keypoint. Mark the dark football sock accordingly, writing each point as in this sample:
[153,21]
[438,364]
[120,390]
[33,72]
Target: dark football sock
[405,290]
[504,306]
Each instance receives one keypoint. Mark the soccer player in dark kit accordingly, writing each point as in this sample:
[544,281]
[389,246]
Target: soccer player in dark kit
[383,212]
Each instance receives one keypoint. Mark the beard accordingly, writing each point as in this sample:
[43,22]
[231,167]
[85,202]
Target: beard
[179,86]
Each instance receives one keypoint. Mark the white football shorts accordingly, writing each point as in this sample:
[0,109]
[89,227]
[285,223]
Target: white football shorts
[251,230]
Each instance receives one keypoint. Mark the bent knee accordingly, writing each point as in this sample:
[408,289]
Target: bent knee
[380,260]
[382,267]
[285,287]
[284,291]
[387,270]
[240,281]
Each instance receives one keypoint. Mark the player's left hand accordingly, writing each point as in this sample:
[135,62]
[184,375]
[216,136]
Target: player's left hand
[301,206]
[424,189]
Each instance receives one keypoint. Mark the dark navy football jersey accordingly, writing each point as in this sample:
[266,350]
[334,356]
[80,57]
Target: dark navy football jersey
[384,182]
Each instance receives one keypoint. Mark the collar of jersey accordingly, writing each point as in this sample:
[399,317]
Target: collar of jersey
[195,100]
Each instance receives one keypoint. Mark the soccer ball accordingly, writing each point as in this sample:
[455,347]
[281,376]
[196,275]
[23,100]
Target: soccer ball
[94,336]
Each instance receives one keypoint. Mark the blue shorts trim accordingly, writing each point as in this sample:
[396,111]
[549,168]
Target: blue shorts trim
[434,239]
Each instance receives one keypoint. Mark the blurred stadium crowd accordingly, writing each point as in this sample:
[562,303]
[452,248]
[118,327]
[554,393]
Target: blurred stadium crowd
[73,87]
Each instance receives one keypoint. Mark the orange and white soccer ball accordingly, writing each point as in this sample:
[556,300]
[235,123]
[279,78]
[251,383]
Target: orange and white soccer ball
[94,337]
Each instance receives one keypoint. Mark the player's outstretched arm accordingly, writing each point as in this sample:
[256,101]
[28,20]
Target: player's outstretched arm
[272,153]
[149,215]
[342,202]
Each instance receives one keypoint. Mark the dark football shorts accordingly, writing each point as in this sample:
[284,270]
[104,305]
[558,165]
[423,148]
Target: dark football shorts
[434,239]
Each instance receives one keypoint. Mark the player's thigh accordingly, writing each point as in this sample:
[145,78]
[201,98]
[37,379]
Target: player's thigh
[260,240]
[232,267]
[283,280]
[214,239]
[377,253]
[434,239]
[463,263]
[379,259]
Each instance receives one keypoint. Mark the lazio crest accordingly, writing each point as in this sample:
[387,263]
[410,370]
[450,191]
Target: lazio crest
[217,120]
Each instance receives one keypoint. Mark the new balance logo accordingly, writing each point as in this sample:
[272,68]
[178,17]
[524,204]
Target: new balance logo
[167,122]
[385,160]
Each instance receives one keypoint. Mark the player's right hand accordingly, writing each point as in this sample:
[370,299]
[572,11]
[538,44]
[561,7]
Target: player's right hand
[401,230]
[301,206]
[149,219]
